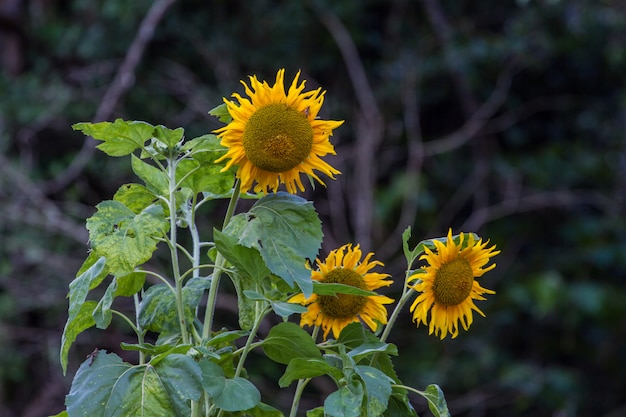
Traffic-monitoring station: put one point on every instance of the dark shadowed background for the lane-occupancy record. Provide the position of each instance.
(505, 118)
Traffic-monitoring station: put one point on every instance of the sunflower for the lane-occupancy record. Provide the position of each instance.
(447, 285)
(334, 312)
(275, 136)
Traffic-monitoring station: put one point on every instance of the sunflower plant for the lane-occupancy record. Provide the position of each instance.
(329, 319)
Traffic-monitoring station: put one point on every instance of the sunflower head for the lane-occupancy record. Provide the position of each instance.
(344, 266)
(275, 136)
(447, 285)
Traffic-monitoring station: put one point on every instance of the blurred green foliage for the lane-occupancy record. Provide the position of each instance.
(542, 174)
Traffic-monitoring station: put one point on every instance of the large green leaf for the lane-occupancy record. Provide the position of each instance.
(80, 321)
(229, 394)
(286, 231)
(105, 386)
(345, 402)
(287, 341)
(120, 137)
(377, 389)
(126, 239)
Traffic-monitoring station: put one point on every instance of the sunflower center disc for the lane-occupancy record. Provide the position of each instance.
(277, 138)
(342, 306)
(453, 282)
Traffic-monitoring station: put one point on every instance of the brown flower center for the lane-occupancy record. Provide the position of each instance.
(277, 138)
(342, 306)
(453, 282)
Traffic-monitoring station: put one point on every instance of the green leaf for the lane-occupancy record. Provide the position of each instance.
(236, 394)
(263, 410)
(367, 349)
(287, 341)
(247, 260)
(200, 173)
(80, 321)
(300, 368)
(130, 284)
(213, 379)
(105, 386)
(120, 137)
(345, 402)
(322, 288)
(135, 196)
(156, 180)
(126, 239)
(158, 311)
(102, 314)
(286, 230)
(126, 285)
(285, 310)
(377, 389)
(90, 275)
(239, 394)
(155, 350)
(221, 112)
(436, 400)
(61, 414)
(168, 137)
(316, 412)
(399, 406)
(182, 378)
(226, 337)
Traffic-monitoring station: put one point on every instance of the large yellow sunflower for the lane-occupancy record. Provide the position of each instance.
(275, 136)
(447, 285)
(344, 266)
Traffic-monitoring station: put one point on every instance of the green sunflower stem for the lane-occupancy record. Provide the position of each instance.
(297, 395)
(171, 171)
(408, 293)
(260, 315)
(219, 266)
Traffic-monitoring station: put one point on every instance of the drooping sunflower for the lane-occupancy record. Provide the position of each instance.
(448, 286)
(275, 136)
(334, 312)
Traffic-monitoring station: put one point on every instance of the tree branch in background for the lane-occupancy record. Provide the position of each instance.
(369, 128)
(123, 81)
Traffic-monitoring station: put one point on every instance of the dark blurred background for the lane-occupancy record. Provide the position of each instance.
(505, 118)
